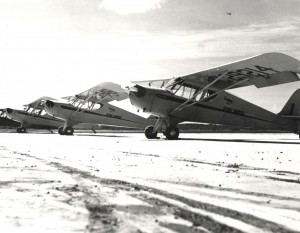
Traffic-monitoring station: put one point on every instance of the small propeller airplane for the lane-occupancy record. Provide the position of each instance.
(34, 116)
(6, 122)
(92, 106)
(202, 97)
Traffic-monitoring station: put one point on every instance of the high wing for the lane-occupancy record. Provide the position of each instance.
(262, 71)
(152, 83)
(103, 92)
(38, 104)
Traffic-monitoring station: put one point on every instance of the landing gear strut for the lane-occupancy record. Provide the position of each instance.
(21, 130)
(149, 133)
(172, 133)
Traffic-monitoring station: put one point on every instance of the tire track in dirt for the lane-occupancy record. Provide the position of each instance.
(255, 194)
(101, 218)
(98, 212)
(284, 180)
(196, 219)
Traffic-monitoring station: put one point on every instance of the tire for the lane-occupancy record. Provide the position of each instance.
(69, 130)
(149, 132)
(172, 133)
(21, 130)
(61, 131)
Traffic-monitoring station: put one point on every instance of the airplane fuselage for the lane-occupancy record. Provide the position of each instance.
(33, 120)
(107, 114)
(223, 108)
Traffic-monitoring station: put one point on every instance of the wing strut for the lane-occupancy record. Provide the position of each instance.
(197, 93)
(186, 104)
(80, 105)
(86, 100)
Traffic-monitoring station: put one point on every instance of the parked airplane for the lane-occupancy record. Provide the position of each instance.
(5, 122)
(92, 106)
(34, 116)
(202, 96)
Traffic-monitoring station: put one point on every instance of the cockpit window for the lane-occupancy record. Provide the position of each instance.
(37, 111)
(158, 83)
(179, 88)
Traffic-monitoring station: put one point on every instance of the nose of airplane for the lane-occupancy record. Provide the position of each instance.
(49, 104)
(140, 97)
(8, 110)
(138, 91)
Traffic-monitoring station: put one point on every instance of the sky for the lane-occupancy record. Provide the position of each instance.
(63, 47)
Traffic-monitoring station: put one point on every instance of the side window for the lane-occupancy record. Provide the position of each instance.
(188, 92)
(184, 91)
(97, 106)
(43, 112)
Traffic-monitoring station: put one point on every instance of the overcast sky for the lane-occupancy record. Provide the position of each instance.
(63, 47)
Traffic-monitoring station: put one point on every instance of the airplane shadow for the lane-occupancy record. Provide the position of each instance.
(239, 140)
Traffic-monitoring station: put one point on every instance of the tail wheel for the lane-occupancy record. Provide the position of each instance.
(61, 131)
(69, 130)
(149, 133)
(21, 130)
(172, 133)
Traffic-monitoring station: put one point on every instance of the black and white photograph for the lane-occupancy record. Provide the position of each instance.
(150, 116)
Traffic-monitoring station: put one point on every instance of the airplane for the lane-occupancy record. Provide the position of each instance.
(203, 97)
(5, 122)
(33, 116)
(92, 106)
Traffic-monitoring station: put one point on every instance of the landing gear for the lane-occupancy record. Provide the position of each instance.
(68, 130)
(21, 130)
(172, 133)
(61, 130)
(149, 133)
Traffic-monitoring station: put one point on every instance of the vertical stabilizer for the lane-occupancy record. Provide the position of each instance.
(292, 107)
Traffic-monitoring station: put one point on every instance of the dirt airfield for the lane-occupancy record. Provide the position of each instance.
(122, 182)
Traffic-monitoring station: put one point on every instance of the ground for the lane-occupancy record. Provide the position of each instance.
(122, 182)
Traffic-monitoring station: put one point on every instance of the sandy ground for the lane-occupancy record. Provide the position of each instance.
(109, 182)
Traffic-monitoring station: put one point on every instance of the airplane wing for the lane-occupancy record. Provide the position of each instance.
(38, 103)
(104, 92)
(262, 71)
(152, 83)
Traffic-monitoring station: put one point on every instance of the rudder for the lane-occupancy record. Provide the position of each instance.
(292, 106)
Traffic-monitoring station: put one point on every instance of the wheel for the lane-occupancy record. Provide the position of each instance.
(172, 133)
(21, 130)
(69, 130)
(61, 131)
(149, 132)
